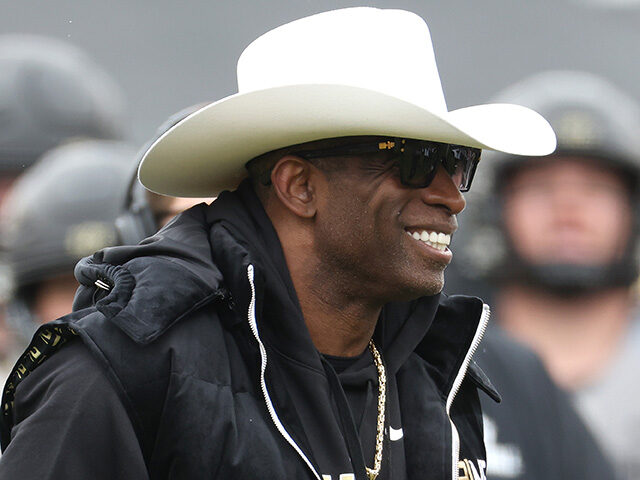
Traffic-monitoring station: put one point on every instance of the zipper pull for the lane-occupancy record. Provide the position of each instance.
(103, 285)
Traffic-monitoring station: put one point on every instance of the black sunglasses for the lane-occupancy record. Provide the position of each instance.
(417, 160)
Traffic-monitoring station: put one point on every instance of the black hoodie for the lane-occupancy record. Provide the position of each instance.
(201, 336)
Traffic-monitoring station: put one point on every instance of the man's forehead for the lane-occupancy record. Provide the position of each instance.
(568, 164)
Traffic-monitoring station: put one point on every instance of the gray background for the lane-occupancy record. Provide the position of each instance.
(168, 55)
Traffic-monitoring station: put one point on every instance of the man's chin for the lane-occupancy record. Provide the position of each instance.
(423, 288)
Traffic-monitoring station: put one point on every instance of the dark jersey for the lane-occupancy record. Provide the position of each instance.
(534, 433)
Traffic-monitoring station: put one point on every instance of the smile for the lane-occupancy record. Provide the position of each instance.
(438, 240)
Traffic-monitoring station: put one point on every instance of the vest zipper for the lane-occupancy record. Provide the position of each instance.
(477, 338)
(253, 324)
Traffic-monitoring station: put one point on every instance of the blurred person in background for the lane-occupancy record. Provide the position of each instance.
(534, 432)
(55, 215)
(146, 212)
(559, 239)
(62, 209)
(50, 92)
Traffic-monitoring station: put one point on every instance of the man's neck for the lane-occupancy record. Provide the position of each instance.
(576, 336)
(340, 320)
(338, 327)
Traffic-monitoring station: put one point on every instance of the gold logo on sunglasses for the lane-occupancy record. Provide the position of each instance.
(388, 145)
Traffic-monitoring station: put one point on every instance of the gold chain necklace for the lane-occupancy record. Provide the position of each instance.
(382, 400)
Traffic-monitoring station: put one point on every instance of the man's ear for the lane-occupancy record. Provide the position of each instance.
(293, 184)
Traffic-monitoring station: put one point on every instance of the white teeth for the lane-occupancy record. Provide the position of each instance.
(439, 241)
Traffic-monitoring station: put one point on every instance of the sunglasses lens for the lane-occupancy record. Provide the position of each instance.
(461, 164)
(418, 165)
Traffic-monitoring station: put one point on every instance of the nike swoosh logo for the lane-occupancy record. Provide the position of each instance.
(395, 434)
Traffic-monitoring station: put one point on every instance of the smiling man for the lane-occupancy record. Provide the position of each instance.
(294, 327)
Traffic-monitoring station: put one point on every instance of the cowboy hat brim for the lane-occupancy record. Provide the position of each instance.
(206, 152)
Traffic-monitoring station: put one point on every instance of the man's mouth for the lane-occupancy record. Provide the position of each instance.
(438, 240)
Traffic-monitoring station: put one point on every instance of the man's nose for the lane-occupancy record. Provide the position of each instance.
(443, 191)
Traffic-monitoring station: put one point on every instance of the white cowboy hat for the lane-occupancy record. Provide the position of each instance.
(356, 71)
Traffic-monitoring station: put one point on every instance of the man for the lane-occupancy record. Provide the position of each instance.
(534, 432)
(145, 212)
(55, 214)
(564, 250)
(50, 91)
(292, 328)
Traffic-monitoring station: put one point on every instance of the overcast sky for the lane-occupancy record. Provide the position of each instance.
(167, 55)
